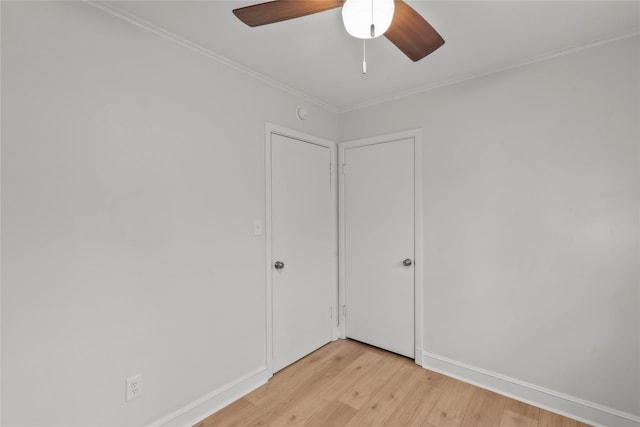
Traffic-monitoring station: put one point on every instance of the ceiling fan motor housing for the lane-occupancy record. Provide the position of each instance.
(367, 19)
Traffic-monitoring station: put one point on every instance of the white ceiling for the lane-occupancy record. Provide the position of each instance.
(315, 56)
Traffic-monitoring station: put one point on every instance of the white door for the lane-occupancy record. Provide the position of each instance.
(379, 244)
(302, 239)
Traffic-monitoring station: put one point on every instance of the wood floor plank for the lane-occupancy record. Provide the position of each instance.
(515, 419)
(336, 414)
(354, 372)
(383, 402)
(284, 382)
(523, 409)
(549, 419)
(361, 391)
(302, 409)
(283, 407)
(335, 379)
(414, 409)
(435, 379)
(280, 389)
(337, 361)
(305, 409)
(451, 408)
(485, 409)
(278, 386)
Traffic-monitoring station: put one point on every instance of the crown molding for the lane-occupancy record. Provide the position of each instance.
(532, 60)
(109, 7)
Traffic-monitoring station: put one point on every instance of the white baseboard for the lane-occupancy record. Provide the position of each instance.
(200, 409)
(572, 407)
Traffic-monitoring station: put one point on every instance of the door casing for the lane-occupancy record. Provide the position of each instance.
(416, 135)
(270, 129)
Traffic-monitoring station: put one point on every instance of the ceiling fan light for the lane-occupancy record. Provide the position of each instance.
(359, 16)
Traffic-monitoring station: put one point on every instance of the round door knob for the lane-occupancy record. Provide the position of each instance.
(406, 262)
(279, 265)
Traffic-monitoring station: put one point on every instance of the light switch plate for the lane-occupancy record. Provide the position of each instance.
(257, 227)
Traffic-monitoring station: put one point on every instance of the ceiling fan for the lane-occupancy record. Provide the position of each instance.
(364, 19)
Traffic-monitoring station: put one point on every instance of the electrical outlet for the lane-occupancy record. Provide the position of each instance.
(134, 387)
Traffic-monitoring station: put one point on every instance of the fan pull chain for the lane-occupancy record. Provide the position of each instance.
(364, 56)
(373, 27)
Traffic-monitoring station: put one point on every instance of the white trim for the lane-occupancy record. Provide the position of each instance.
(0, 221)
(419, 258)
(554, 401)
(268, 300)
(200, 409)
(273, 129)
(108, 6)
(416, 135)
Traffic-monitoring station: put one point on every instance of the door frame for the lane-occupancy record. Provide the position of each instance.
(416, 135)
(271, 129)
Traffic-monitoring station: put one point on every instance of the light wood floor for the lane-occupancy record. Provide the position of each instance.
(347, 383)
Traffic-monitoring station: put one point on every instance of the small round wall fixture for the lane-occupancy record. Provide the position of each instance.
(302, 113)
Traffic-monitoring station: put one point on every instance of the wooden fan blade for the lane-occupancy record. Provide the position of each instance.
(282, 10)
(411, 33)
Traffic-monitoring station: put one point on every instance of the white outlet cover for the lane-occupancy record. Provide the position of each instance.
(134, 387)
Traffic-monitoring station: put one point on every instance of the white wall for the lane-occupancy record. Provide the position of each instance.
(531, 220)
(132, 171)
